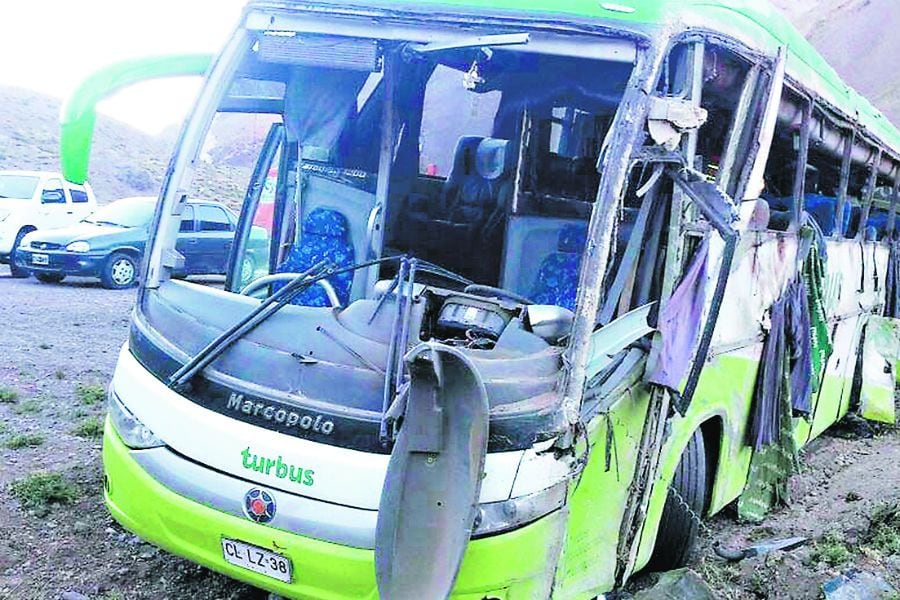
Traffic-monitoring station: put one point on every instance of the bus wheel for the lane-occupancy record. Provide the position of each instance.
(680, 523)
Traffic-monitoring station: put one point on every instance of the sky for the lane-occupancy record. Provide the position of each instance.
(51, 45)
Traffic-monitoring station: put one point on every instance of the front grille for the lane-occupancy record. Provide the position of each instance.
(45, 246)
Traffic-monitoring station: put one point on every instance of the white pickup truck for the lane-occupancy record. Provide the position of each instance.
(31, 200)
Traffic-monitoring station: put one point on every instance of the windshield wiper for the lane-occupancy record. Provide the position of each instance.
(482, 41)
(110, 223)
(271, 305)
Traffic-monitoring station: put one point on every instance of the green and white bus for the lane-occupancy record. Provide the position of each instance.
(547, 283)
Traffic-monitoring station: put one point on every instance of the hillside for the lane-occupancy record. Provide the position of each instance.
(125, 161)
(857, 37)
(851, 34)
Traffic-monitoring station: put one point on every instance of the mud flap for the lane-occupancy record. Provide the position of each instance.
(430, 497)
(881, 351)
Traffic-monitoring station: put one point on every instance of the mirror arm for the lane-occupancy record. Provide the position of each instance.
(79, 111)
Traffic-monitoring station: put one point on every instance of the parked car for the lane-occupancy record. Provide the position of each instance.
(110, 243)
(35, 200)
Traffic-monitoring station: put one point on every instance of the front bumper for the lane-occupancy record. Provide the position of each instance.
(62, 262)
(515, 565)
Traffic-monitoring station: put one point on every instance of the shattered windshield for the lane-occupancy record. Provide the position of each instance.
(483, 162)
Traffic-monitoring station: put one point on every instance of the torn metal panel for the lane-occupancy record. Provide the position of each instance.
(430, 497)
(881, 351)
(670, 118)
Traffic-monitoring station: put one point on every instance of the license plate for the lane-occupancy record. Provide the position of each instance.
(40, 259)
(256, 559)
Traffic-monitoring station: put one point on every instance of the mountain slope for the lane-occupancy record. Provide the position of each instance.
(124, 161)
(858, 38)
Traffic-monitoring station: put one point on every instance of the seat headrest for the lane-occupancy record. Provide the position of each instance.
(572, 239)
(493, 158)
(464, 156)
(871, 233)
(326, 222)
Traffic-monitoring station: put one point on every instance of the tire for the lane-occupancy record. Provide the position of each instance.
(16, 271)
(120, 271)
(50, 277)
(678, 530)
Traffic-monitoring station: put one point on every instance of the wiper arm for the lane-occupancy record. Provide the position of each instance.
(271, 305)
(429, 267)
(482, 41)
(227, 338)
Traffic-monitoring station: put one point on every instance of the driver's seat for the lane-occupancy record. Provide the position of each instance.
(326, 236)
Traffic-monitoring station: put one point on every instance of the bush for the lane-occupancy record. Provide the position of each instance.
(8, 395)
(831, 550)
(89, 428)
(24, 440)
(884, 529)
(90, 393)
(28, 407)
(39, 491)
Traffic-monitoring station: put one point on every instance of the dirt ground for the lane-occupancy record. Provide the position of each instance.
(58, 341)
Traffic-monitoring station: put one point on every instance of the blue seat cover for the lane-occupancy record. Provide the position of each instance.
(557, 279)
(326, 236)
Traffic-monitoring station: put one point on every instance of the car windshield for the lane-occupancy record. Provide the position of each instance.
(20, 187)
(124, 213)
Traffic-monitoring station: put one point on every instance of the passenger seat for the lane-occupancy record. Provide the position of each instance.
(557, 279)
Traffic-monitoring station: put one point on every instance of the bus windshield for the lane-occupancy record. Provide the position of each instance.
(482, 161)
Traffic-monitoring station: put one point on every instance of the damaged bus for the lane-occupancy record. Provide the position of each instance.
(544, 285)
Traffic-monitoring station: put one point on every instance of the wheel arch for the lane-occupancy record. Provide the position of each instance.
(711, 426)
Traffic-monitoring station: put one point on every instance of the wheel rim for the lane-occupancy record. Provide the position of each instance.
(122, 271)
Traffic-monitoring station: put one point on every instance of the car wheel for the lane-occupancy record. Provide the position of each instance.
(685, 504)
(49, 277)
(15, 270)
(120, 271)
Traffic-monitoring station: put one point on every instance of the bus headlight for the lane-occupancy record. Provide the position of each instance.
(134, 433)
(496, 517)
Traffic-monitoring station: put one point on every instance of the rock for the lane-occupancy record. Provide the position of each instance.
(852, 497)
(73, 596)
(858, 585)
(81, 527)
(683, 584)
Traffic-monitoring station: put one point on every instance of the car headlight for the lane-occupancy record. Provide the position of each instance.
(134, 433)
(79, 247)
(496, 517)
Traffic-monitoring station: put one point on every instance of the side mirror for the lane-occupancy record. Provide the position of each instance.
(549, 322)
(52, 197)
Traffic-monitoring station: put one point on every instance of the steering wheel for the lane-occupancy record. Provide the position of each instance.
(488, 291)
(262, 282)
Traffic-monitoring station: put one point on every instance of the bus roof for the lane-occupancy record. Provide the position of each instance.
(756, 23)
